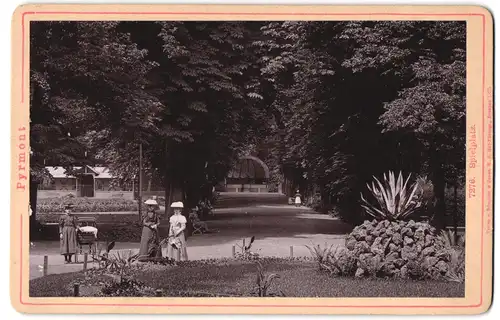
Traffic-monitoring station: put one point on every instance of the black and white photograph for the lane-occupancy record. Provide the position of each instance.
(264, 158)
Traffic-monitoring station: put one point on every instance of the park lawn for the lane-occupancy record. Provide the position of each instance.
(237, 278)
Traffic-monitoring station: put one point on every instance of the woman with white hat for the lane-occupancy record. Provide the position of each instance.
(298, 200)
(149, 237)
(177, 239)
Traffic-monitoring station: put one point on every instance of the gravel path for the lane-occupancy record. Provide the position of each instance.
(275, 228)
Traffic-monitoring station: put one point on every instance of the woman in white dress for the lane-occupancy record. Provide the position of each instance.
(298, 200)
(177, 238)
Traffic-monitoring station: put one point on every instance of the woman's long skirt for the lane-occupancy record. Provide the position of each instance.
(298, 201)
(147, 238)
(69, 243)
(174, 253)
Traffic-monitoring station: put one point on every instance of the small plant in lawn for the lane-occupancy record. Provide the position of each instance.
(103, 257)
(373, 266)
(245, 251)
(396, 200)
(264, 282)
(114, 262)
(456, 271)
(338, 262)
(320, 254)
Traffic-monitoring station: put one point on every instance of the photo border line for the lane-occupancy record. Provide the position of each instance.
(477, 305)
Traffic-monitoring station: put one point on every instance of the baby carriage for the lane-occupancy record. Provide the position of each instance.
(87, 234)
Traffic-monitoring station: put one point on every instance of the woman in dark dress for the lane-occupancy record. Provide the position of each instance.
(149, 237)
(67, 233)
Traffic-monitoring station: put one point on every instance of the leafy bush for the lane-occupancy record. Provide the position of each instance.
(396, 200)
(56, 205)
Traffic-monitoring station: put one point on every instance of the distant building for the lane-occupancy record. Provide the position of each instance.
(87, 182)
(250, 174)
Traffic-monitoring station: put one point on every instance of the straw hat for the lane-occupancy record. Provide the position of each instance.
(151, 202)
(177, 204)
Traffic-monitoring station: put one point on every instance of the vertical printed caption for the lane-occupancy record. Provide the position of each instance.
(472, 163)
(489, 161)
(22, 170)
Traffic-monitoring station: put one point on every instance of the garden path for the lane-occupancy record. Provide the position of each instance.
(275, 227)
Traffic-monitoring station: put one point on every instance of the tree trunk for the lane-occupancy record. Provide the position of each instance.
(455, 211)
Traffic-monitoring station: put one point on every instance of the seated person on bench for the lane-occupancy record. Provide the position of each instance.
(198, 225)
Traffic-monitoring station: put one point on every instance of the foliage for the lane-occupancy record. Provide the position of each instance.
(320, 254)
(456, 270)
(338, 262)
(180, 89)
(264, 282)
(396, 199)
(82, 204)
(127, 288)
(195, 95)
(451, 239)
(409, 115)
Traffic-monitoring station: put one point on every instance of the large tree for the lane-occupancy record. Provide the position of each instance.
(361, 98)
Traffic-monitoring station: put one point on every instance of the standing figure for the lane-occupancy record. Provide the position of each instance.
(150, 238)
(177, 238)
(298, 200)
(67, 233)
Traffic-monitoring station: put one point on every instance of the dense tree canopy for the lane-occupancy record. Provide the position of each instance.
(333, 102)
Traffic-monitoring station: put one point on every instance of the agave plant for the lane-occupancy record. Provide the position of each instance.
(395, 197)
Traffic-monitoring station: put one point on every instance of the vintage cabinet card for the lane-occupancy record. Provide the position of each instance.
(252, 159)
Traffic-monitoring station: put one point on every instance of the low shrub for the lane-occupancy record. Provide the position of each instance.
(338, 262)
(127, 288)
(56, 205)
